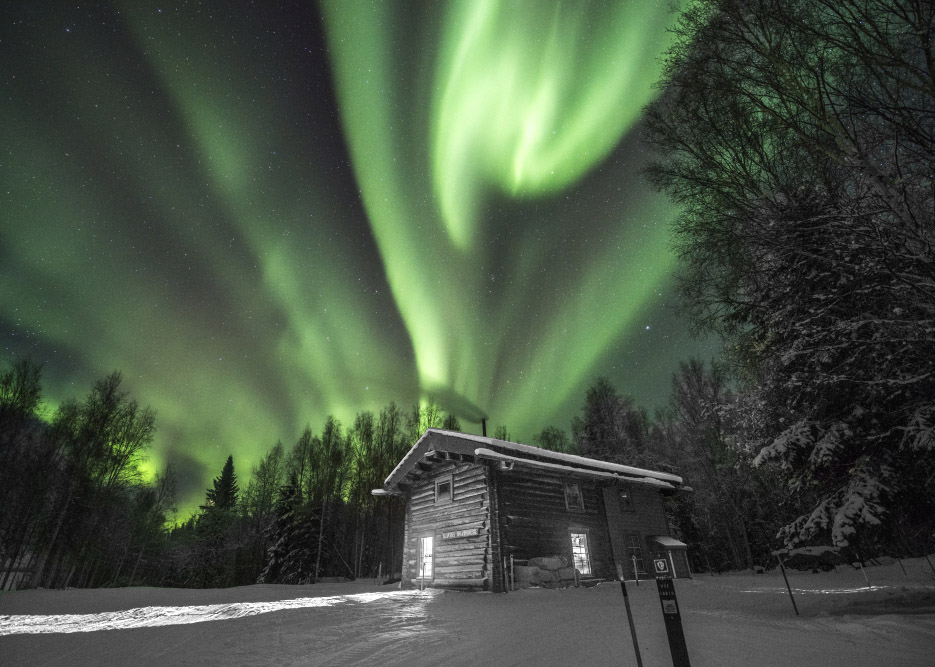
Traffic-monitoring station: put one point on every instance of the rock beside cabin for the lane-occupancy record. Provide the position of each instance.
(545, 571)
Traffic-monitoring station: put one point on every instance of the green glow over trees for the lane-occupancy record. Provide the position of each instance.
(262, 221)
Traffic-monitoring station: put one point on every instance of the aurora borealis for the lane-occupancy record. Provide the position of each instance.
(266, 213)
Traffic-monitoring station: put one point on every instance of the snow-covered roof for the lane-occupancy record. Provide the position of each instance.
(489, 454)
(583, 461)
(669, 542)
(466, 444)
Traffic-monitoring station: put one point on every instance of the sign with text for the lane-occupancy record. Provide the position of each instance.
(466, 532)
(670, 613)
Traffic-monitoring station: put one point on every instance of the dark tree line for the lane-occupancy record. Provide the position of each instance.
(74, 510)
(798, 138)
(306, 513)
(80, 516)
(77, 513)
(731, 517)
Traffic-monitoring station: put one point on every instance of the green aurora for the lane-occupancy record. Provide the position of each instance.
(263, 215)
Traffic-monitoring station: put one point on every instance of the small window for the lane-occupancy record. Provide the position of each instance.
(579, 552)
(626, 500)
(443, 489)
(573, 498)
(425, 558)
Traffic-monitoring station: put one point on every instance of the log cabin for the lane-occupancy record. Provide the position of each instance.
(478, 506)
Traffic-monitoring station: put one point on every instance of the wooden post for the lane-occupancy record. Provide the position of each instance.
(626, 603)
(636, 572)
(899, 560)
(864, 572)
(495, 532)
(782, 567)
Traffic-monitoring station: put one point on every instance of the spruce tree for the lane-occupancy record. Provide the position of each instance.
(289, 559)
(217, 540)
(223, 495)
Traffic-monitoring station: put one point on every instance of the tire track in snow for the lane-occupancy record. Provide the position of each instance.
(150, 617)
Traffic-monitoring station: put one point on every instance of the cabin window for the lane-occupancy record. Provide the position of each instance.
(626, 499)
(443, 489)
(579, 552)
(425, 558)
(573, 498)
(634, 553)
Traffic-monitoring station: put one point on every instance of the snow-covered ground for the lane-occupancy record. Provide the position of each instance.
(732, 620)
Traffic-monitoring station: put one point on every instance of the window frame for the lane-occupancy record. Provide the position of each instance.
(449, 480)
(584, 532)
(566, 484)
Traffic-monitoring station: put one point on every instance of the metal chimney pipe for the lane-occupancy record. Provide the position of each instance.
(483, 425)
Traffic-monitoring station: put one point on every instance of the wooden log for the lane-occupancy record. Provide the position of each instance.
(465, 515)
(458, 567)
(430, 523)
(474, 498)
(474, 582)
(448, 506)
(472, 546)
(463, 557)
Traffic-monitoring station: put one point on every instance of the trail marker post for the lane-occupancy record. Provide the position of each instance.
(782, 568)
(670, 612)
(626, 602)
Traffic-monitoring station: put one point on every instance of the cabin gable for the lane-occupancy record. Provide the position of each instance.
(448, 533)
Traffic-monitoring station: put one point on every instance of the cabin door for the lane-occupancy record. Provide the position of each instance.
(425, 558)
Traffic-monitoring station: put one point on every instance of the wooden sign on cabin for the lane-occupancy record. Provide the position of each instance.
(473, 502)
(455, 534)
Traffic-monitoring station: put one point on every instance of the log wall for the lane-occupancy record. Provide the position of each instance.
(536, 522)
(460, 560)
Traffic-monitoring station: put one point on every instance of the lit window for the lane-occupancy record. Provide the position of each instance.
(443, 489)
(579, 552)
(626, 500)
(425, 558)
(573, 498)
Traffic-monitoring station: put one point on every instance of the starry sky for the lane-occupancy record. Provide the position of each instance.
(265, 213)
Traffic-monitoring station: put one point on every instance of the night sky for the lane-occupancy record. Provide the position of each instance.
(265, 213)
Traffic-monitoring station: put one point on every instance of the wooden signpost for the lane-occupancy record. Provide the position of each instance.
(670, 612)
(626, 602)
